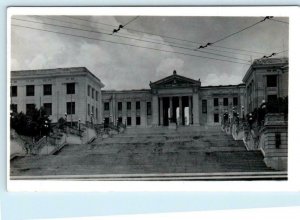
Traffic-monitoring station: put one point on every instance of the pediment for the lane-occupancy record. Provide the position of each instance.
(175, 81)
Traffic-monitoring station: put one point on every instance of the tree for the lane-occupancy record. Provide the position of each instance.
(34, 123)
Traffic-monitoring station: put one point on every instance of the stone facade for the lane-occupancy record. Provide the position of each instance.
(131, 107)
(174, 100)
(56, 90)
(266, 79)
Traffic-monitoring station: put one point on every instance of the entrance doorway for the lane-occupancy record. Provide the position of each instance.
(176, 109)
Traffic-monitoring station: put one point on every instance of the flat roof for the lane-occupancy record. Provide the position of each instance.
(54, 71)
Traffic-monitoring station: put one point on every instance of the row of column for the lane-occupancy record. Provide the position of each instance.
(158, 111)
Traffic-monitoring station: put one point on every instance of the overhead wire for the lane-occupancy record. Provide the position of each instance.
(99, 32)
(127, 44)
(164, 36)
(127, 35)
(272, 19)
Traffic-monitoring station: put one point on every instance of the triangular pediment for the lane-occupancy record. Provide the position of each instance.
(174, 81)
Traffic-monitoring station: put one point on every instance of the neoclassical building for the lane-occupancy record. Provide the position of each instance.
(266, 79)
(172, 100)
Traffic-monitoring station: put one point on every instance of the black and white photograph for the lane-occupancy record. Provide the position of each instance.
(135, 97)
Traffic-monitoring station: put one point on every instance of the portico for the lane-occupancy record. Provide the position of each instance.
(175, 101)
(175, 109)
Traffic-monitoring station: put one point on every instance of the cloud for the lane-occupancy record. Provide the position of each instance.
(215, 79)
(127, 67)
(167, 66)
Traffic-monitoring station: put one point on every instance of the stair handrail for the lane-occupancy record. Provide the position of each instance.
(39, 144)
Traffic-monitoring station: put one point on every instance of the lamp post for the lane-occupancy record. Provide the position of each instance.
(66, 121)
(79, 125)
(243, 109)
(46, 130)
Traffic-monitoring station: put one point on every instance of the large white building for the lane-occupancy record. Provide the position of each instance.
(74, 93)
(175, 99)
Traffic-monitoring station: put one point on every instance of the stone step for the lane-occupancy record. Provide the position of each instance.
(136, 163)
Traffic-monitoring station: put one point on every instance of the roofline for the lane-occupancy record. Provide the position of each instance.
(124, 91)
(219, 86)
(254, 65)
(15, 73)
(197, 82)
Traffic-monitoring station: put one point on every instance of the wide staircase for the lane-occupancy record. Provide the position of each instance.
(152, 153)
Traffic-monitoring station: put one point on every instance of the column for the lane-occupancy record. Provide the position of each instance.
(171, 108)
(143, 113)
(161, 111)
(195, 109)
(180, 111)
(190, 110)
(154, 110)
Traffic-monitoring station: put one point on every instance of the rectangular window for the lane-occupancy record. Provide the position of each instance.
(106, 120)
(225, 101)
(47, 89)
(70, 108)
(70, 88)
(89, 109)
(216, 102)
(14, 91)
(149, 110)
(14, 108)
(272, 81)
(138, 105)
(30, 109)
(128, 105)
(96, 113)
(89, 90)
(97, 93)
(106, 106)
(272, 98)
(48, 108)
(30, 90)
(119, 106)
(128, 121)
(204, 106)
(235, 101)
(93, 93)
(138, 120)
(216, 118)
(119, 120)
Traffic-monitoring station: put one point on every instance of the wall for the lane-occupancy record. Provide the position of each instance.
(58, 78)
(132, 96)
(220, 92)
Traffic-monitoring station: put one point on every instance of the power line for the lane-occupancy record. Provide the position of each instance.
(131, 35)
(223, 51)
(144, 32)
(68, 22)
(239, 49)
(230, 35)
(282, 51)
(164, 36)
(98, 32)
(132, 45)
(274, 54)
(122, 26)
(279, 21)
(130, 21)
(91, 21)
(127, 35)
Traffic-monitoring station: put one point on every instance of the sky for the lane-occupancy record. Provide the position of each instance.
(120, 66)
